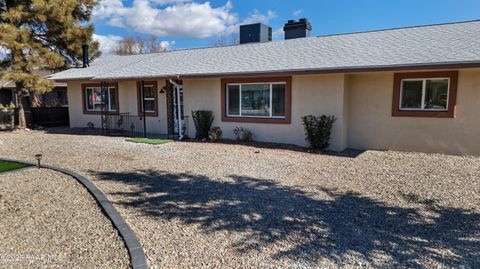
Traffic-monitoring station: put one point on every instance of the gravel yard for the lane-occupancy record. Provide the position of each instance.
(48, 220)
(199, 205)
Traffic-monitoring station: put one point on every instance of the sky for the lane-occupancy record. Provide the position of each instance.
(189, 24)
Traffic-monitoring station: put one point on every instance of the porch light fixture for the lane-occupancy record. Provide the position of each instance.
(39, 158)
(162, 90)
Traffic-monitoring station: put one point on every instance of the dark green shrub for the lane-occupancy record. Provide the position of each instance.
(203, 120)
(318, 130)
(215, 134)
(243, 134)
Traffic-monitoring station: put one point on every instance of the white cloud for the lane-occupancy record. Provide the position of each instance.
(107, 42)
(183, 18)
(167, 44)
(166, 2)
(297, 12)
(278, 34)
(254, 17)
(257, 16)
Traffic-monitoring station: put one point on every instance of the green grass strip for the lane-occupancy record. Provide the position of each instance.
(149, 141)
(9, 166)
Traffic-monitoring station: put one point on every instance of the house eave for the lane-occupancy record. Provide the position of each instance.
(313, 71)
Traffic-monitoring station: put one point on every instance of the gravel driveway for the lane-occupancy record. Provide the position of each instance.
(198, 205)
(48, 220)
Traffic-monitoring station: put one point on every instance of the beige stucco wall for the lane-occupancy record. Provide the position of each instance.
(312, 94)
(127, 93)
(371, 125)
(360, 102)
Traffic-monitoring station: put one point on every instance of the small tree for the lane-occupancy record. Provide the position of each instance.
(42, 34)
(203, 120)
(137, 45)
(318, 130)
(226, 39)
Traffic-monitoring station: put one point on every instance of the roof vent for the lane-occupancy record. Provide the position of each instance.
(257, 32)
(294, 29)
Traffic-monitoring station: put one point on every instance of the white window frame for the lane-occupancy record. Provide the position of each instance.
(108, 96)
(240, 100)
(424, 91)
(148, 99)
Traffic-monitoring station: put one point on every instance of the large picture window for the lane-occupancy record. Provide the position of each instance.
(265, 100)
(256, 100)
(148, 98)
(431, 94)
(93, 98)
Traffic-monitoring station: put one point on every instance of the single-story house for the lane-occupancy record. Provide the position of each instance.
(412, 88)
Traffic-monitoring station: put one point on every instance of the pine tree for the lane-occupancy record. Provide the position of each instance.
(43, 35)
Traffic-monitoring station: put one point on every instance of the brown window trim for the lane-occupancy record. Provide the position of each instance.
(288, 99)
(139, 98)
(452, 94)
(84, 98)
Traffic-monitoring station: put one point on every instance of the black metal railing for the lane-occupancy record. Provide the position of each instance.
(123, 124)
(7, 121)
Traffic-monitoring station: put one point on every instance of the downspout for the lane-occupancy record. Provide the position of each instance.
(179, 110)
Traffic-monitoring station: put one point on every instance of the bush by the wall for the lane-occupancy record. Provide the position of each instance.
(215, 134)
(203, 120)
(243, 134)
(318, 130)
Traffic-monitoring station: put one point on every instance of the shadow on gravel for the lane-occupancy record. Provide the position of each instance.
(348, 153)
(344, 224)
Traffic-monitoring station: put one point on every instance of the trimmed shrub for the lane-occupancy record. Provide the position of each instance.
(11, 105)
(203, 120)
(215, 134)
(318, 130)
(242, 134)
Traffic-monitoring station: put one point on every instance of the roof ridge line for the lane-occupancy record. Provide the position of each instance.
(401, 28)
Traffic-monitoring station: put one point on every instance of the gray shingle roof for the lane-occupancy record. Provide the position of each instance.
(453, 43)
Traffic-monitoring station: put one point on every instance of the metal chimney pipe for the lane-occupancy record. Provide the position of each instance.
(85, 56)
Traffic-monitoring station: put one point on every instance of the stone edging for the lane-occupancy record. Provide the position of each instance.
(135, 250)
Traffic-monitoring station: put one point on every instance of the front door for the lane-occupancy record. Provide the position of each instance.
(178, 122)
(175, 109)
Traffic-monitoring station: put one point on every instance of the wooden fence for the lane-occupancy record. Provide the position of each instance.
(45, 116)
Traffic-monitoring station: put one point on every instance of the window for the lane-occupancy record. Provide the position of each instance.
(149, 99)
(265, 100)
(424, 94)
(429, 94)
(92, 95)
(254, 100)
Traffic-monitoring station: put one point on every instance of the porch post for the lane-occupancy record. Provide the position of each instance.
(143, 109)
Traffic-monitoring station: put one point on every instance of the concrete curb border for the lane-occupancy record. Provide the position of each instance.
(135, 250)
